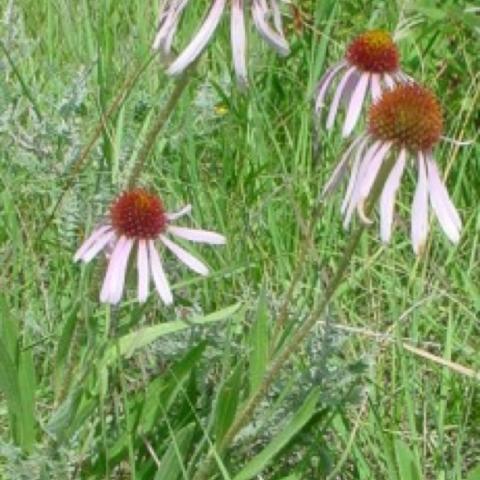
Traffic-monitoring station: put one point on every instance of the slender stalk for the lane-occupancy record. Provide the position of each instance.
(284, 355)
(160, 122)
(23, 83)
(125, 90)
(297, 274)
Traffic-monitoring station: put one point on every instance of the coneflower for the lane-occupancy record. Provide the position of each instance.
(406, 122)
(265, 15)
(137, 219)
(371, 63)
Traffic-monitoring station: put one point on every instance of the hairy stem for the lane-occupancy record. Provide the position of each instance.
(297, 274)
(283, 356)
(156, 128)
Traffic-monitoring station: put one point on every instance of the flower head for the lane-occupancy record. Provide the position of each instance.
(374, 51)
(137, 220)
(265, 15)
(405, 122)
(371, 63)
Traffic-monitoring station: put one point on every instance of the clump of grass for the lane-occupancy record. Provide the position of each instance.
(144, 392)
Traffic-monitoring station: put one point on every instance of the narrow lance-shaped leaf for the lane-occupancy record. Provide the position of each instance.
(292, 427)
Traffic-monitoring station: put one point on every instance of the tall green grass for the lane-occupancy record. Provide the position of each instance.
(143, 392)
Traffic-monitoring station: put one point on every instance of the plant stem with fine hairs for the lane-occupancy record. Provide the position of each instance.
(283, 356)
(156, 128)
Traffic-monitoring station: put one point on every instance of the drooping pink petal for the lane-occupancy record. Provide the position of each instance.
(91, 240)
(99, 245)
(158, 274)
(387, 199)
(260, 11)
(277, 16)
(375, 87)
(402, 77)
(181, 213)
(369, 179)
(200, 40)
(167, 25)
(115, 277)
(239, 41)
(338, 96)
(324, 83)
(188, 259)
(143, 271)
(459, 143)
(356, 102)
(359, 179)
(339, 171)
(443, 207)
(350, 88)
(353, 175)
(119, 283)
(111, 269)
(388, 80)
(194, 235)
(419, 226)
(372, 170)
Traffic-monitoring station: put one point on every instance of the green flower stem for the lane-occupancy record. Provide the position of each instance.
(297, 275)
(156, 128)
(280, 360)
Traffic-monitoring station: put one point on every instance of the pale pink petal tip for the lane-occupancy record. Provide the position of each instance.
(274, 36)
(158, 274)
(143, 271)
(188, 259)
(387, 199)
(239, 42)
(338, 96)
(324, 84)
(114, 280)
(182, 212)
(356, 102)
(90, 241)
(443, 207)
(200, 236)
(419, 226)
(200, 40)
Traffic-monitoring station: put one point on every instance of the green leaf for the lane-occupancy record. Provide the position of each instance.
(170, 466)
(27, 386)
(259, 343)
(227, 402)
(9, 381)
(406, 462)
(17, 381)
(293, 426)
(128, 344)
(148, 407)
(63, 348)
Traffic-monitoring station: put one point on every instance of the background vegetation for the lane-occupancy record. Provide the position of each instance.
(136, 392)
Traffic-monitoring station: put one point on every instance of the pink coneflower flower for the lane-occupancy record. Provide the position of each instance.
(137, 220)
(406, 122)
(265, 15)
(371, 62)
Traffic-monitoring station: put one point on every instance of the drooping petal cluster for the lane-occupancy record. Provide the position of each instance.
(266, 17)
(406, 122)
(137, 220)
(371, 66)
